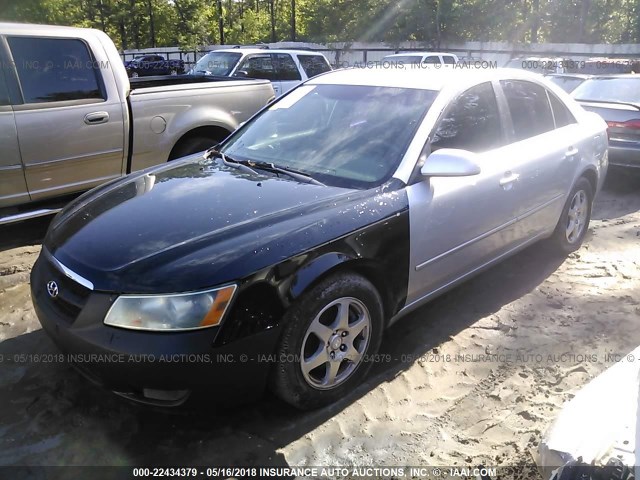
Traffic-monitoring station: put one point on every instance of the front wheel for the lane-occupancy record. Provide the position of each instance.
(329, 336)
(574, 221)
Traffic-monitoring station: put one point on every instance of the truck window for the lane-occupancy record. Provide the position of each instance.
(432, 60)
(55, 69)
(448, 60)
(313, 64)
(286, 67)
(258, 66)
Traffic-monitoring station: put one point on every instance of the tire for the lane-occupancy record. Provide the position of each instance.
(173, 71)
(135, 74)
(190, 145)
(574, 221)
(351, 339)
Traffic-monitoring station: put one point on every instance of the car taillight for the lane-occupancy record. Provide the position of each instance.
(633, 124)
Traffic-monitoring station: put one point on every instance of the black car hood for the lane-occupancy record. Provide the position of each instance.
(196, 223)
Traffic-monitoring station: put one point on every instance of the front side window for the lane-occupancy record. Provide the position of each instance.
(343, 135)
(313, 64)
(529, 108)
(449, 60)
(55, 70)
(285, 67)
(432, 60)
(471, 123)
(257, 66)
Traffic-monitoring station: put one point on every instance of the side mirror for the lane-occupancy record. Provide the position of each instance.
(241, 73)
(450, 162)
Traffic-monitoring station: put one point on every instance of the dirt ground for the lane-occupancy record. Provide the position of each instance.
(494, 361)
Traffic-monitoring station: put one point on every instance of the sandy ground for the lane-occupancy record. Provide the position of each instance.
(475, 377)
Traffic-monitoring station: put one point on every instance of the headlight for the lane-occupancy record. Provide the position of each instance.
(183, 311)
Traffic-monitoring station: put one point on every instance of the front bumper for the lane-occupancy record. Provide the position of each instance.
(142, 365)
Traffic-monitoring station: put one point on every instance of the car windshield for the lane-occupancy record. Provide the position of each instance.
(217, 63)
(612, 89)
(343, 135)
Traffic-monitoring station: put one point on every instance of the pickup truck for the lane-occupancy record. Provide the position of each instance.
(70, 119)
(152, 64)
(284, 68)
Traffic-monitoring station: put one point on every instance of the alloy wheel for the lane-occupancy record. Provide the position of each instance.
(335, 343)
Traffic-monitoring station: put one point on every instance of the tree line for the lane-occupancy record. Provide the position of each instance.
(190, 23)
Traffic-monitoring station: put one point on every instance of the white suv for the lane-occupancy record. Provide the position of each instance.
(417, 58)
(285, 68)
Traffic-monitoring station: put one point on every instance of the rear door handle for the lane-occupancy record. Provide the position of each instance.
(509, 178)
(571, 152)
(96, 118)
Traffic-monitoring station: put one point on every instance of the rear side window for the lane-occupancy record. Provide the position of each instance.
(258, 66)
(529, 107)
(285, 67)
(448, 60)
(561, 113)
(432, 60)
(4, 92)
(472, 122)
(313, 64)
(55, 70)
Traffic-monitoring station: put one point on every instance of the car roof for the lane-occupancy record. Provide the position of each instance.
(427, 78)
(267, 50)
(10, 28)
(616, 75)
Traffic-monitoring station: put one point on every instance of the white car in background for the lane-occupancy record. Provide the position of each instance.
(417, 58)
(284, 68)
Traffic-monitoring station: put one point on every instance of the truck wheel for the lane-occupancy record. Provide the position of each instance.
(328, 339)
(574, 221)
(190, 145)
(173, 71)
(135, 74)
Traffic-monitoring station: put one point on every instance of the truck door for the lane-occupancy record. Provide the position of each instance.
(71, 133)
(13, 188)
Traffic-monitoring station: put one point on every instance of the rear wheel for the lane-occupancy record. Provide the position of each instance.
(574, 221)
(329, 336)
(173, 71)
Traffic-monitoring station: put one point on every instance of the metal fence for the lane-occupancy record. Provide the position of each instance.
(344, 54)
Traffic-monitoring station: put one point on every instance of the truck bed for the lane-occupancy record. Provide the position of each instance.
(171, 80)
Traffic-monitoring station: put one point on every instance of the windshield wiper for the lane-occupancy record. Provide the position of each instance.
(230, 162)
(270, 167)
(298, 175)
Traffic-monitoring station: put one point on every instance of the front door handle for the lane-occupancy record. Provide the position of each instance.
(571, 153)
(509, 178)
(96, 118)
